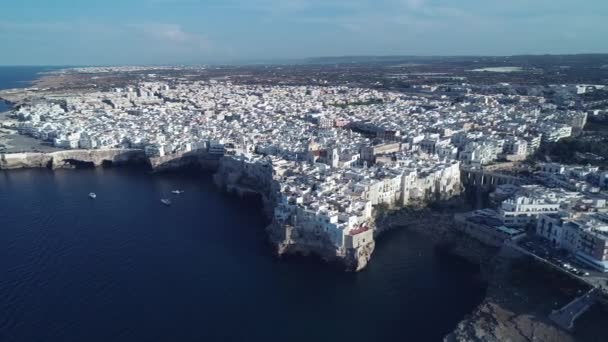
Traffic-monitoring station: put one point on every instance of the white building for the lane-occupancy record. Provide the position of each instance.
(584, 235)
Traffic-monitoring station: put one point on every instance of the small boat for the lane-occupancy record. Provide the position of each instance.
(92, 195)
(178, 192)
(166, 201)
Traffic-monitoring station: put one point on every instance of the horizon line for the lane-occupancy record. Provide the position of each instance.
(302, 60)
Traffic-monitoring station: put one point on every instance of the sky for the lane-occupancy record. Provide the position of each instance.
(114, 32)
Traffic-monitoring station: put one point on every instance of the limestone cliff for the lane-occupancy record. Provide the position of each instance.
(239, 177)
(199, 159)
(24, 161)
(71, 158)
(290, 241)
(231, 174)
(515, 308)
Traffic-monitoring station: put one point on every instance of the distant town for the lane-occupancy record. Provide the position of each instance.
(329, 155)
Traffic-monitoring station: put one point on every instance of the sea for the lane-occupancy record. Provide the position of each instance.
(124, 267)
(19, 77)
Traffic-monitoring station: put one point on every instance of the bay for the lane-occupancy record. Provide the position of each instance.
(123, 267)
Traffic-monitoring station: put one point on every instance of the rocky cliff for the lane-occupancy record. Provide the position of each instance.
(109, 157)
(71, 159)
(24, 161)
(96, 158)
(232, 175)
(516, 306)
(199, 159)
(240, 177)
(289, 241)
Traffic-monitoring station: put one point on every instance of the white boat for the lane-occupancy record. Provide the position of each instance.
(178, 192)
(165, 201)
(92, 195)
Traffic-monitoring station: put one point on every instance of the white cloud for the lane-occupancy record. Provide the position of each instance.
(90, 41)
(171, 33)
(415, 4)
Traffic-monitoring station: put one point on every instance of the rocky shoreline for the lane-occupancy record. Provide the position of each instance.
(71, 159)
(437, 225)
(503, 315)
(233, 175)
(518, 299)
(228, 175)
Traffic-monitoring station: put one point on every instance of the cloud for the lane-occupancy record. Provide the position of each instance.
(171, 33)
(219, 29)
(414, 4)
(283, 7)
(89, 42)
(9, 27)
(159, 32)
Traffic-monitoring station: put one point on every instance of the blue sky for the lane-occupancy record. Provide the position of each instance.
(86, 32)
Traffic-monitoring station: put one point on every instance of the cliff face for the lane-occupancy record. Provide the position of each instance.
(67, 159)
(200, 159)
(24, 161)
(231, 174)
(97, 158)
(71, 159)
(237, 176)
(515, 309)
(289, 241)
(491, 322)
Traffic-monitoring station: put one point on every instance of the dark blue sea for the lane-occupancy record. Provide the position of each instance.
(124, 267)
(19, 77)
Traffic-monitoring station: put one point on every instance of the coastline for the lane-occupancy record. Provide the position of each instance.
(70, 159)
(17, 84)
(496, 318)
(234, 175)
(490, 321)
(203, 237)
(517, 302)
(229, 174)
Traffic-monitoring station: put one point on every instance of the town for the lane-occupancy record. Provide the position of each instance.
(330, 159)
(338, 152)
(340, 170)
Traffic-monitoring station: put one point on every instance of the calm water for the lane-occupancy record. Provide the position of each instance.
(124, 267)
(19, 77)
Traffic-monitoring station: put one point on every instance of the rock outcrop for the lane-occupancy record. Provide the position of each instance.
(491, 322)
(232, 175)
(199, 159)
(289, 241)
(518, 303)
(239, 177)
(25, 161)
(71, 159)
(96, 158)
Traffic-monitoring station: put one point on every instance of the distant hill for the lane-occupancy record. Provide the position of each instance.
(516, 59)
(372, 59)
